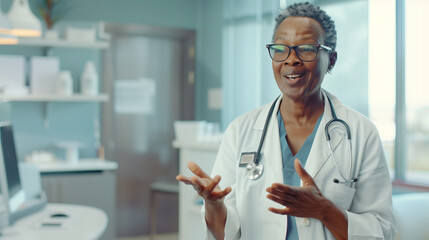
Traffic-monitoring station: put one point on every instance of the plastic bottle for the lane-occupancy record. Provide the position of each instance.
(64, 83)
(89, 80)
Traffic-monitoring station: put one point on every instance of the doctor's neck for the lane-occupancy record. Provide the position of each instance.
(303, 110)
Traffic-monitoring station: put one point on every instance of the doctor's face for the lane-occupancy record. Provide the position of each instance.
(299, 79)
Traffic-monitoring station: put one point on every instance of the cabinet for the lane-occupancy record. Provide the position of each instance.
(190, 219)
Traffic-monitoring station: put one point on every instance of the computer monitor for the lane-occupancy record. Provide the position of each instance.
(11, 188)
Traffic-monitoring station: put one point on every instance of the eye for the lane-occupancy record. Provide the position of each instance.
(278, 48)
(307, 48)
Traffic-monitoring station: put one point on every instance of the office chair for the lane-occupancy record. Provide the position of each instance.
(159, 187)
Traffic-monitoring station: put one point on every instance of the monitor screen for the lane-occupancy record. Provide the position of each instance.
(10, 180)
(10, 160)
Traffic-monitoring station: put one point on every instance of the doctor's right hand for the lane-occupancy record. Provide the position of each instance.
(205, 186)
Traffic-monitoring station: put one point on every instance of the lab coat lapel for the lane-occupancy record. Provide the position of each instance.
(275, 224)
(271, 152)
(320, 152)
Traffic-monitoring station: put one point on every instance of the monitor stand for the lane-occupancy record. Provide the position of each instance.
(30, 206)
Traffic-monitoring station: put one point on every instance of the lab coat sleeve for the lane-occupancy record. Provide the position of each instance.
(371, 215)
(225, 166)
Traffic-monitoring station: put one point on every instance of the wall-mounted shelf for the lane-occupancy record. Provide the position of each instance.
(41, 42)
(57, 98)
(47, 99)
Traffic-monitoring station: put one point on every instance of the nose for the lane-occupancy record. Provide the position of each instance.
(293, 59)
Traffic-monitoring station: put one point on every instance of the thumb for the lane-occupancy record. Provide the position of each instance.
(302, 173)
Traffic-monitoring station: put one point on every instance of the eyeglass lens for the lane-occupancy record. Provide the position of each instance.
(280, 52)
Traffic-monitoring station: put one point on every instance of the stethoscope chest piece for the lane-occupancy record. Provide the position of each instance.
(254, 171)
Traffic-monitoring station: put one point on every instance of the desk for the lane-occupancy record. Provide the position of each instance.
(82, 223)
(90, 182)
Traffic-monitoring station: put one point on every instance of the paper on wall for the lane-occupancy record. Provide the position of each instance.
(134, 96)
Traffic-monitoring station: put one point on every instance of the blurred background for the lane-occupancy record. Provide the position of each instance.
(107, 81)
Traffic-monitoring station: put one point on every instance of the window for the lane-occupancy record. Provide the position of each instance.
(381, 73)
(405, 97)
(417, 90)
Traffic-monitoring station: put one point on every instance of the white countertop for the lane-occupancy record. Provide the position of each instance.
(211, 146)
(82, 165)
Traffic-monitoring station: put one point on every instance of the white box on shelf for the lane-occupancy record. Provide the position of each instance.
(51, 34)
(80, 34)
(189, 131)
(12, 71)
(44, 73)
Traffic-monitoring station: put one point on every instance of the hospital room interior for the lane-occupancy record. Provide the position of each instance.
(104, 102)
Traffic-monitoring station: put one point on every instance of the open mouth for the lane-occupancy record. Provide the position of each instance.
(293, 76)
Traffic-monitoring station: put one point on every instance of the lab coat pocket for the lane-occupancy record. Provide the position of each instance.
(339, 194)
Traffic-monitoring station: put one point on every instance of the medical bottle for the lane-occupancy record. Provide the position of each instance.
(89, 80)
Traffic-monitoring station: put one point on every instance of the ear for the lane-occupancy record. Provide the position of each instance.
(332, 60)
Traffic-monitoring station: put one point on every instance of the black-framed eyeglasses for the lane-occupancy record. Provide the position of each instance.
(305, 52)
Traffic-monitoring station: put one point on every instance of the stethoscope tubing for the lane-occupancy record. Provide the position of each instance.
(328, 139)
(264, 131)
(255, 168)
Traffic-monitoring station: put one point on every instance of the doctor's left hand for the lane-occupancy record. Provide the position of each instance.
(305, 201)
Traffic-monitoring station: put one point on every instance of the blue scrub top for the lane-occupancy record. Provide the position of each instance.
(290, 177)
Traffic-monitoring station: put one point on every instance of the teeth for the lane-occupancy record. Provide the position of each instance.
(293, 76)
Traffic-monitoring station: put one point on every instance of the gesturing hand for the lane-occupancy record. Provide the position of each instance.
(205, 186)
(305, 201)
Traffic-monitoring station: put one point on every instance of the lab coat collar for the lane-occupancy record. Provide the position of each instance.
(262, 117)
(319, 153)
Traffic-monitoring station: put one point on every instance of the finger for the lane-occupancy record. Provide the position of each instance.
(283, 195)
(197, 170)
(279, 187)
(282, 201)
(207, 191)
(183, 179)
(302, 173)
(197, 181)
(282, 190)
(282, 211)
(222, 193)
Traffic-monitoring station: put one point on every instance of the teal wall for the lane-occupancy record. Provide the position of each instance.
(171, 13)
(77, 121)
(208, 56)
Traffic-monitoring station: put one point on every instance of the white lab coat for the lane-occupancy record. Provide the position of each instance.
(368, 202)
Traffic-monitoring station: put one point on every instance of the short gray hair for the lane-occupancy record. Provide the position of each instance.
(309, 10)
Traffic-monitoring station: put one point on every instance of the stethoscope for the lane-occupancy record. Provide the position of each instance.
(255, 169)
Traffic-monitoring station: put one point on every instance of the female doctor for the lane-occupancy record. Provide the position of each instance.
(305, 166)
